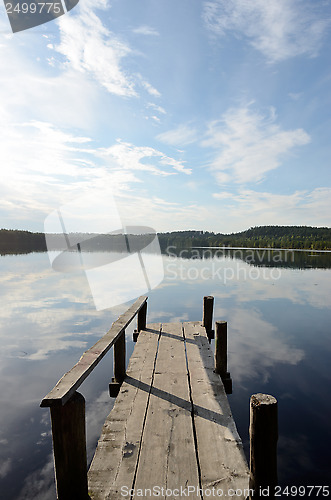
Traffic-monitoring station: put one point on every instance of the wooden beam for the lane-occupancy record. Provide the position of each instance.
(68, 384)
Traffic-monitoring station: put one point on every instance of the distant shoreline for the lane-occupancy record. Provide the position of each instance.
(273, 249)
(260, 237)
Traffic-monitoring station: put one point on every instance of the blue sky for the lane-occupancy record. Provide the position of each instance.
(210, 115)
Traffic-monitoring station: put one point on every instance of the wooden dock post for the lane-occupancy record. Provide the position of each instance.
(263, 445)
(69, 443)
(207, 315)
(119, 365)
(141, 321)
(221, 348)
(221, 354)
(119, 358)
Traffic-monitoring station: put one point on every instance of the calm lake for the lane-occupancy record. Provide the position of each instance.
(277, 305)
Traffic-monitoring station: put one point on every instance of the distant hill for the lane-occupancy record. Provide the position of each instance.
(299, 237)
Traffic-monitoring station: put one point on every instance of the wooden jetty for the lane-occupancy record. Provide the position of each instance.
(171, 432)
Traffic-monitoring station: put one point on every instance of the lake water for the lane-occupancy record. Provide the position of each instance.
(278, 311)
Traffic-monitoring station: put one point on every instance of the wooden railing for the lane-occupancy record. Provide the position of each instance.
(67, 406)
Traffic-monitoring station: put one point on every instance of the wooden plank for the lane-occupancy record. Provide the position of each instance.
(168, 457)
(220, 452)
(68, 384)
(115, 460)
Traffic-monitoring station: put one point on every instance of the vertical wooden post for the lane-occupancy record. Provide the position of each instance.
(141, 322)
(69, 444)
(207, 314)
(221, 348)
(119, 358)
(221, 354)
(263, 445)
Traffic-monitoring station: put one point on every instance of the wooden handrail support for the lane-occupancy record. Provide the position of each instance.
(68, 406)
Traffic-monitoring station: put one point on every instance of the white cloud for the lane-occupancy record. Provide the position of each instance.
(264, 208)
(5, 467)
(279, 30)
(92, 49)
(89, 47)
(146, 30)
(222, 196)
(147, 86)
(249, 145)
(161, 214)
(39, 164)
(295, 96)
(51, 166)
(40, 483)
(177, 165)
(31, 90)
(157, 108)
(270, 345)
(130, 157)
(180, 136)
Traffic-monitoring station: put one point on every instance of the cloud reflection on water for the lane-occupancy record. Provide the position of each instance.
(48, 319)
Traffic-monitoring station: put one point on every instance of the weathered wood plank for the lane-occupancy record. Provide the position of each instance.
(167, 456)
(115, 460)
(220, 452)
(68, 384)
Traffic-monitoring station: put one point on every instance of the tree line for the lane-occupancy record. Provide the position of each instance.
(293, 237)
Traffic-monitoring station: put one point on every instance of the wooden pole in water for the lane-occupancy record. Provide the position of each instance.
(141, 321)
(69, 444)
(120, 358)
(263, 445)
(221, 348)
(207, 314)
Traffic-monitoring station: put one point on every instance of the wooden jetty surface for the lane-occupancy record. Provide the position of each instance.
(171, 426)
(170, 433)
